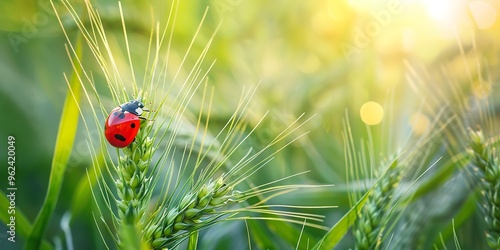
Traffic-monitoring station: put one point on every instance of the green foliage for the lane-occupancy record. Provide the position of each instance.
(64, 142)
(23, 225)
(335, 234)
(213, 170)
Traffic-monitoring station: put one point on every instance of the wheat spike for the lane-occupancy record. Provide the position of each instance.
(483, 157)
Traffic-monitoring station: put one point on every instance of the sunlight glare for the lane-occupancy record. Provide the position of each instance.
(440, 10)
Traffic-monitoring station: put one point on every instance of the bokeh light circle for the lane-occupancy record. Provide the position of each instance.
(371, 113)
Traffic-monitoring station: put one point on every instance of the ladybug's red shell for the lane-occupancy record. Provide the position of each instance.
(121, 127)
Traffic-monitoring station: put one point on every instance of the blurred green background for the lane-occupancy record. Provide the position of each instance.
(324, 58)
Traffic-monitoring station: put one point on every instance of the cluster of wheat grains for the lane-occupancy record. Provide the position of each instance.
(176, 178)
(374, 215)
(382, 222)
(484, 159)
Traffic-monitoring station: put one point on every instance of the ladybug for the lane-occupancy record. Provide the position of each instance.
(123, 123)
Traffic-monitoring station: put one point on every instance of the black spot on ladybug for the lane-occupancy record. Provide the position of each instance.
(122, 115)
(132, 125)
(120, 137)
(116, 113)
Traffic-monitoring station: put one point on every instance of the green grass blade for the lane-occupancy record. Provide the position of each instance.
(338, 231)
(261, 237)
(289, 233)
(23, 226)
(83, 195)
(64, 143)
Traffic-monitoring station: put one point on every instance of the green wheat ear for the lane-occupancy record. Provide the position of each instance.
(483, 157)
(369, 227)
(197, 209)
(137, 221)
(133, 186)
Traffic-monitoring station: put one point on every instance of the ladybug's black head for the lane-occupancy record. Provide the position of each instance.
(134, 107)
(136, 103)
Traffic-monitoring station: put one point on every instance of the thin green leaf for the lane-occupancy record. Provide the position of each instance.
(288, 232)
(83, 193)
(338, 231)
(64, 143)
(260, 236)
(23, 226)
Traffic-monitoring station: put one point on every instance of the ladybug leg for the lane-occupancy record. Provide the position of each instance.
(145, 119)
